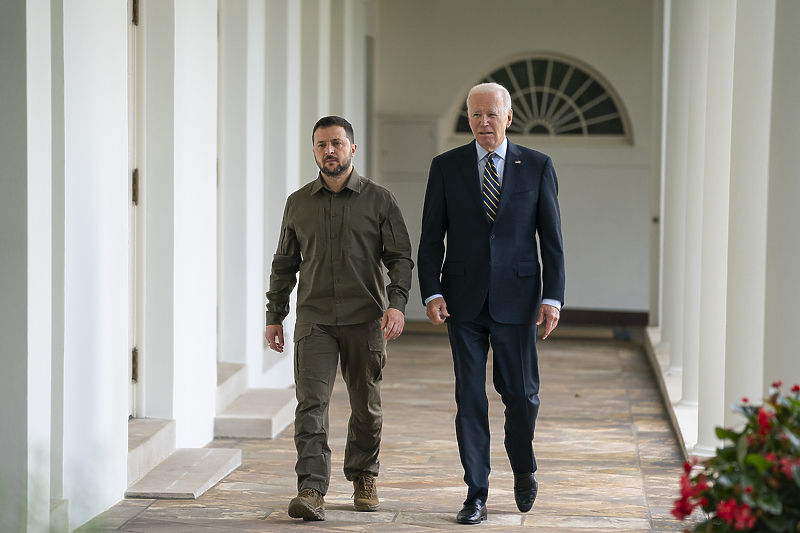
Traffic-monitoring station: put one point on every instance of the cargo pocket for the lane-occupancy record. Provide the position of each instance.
(377, 347)
(301, 331)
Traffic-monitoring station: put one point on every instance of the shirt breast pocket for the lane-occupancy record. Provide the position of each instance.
(361, 234)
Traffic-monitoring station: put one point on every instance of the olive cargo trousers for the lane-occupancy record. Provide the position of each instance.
(318, 349)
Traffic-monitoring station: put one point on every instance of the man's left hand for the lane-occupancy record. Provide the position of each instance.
(548, 315)
(392, 324)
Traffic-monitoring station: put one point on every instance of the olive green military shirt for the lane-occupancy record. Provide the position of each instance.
(337, 242)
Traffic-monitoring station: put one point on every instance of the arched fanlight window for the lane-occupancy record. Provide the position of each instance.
(557, 96)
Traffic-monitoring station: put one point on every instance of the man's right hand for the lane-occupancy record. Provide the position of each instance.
(274, 336)
(437, 311)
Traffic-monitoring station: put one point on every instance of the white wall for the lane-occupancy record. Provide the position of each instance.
(428, 54)
(96, 246)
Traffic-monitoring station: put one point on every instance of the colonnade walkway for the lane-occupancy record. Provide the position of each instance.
(608, 459)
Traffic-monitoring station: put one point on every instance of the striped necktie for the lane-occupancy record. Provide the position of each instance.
(491, 188)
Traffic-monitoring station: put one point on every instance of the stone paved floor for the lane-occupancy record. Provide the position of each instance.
(608, 460)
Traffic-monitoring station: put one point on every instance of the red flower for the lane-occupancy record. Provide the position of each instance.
(682, 508)
(687, 489)
(785, 466)
(777, 384)
(771, 457)
(687, 467)
(763, 421)
(744, 518)
(748, 489)
(726, 510)
(745, 400)
(796, 388)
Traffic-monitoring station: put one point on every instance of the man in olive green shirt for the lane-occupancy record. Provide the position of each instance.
(337, 231)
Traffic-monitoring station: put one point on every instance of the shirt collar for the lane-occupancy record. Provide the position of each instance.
(353, 183)
(500, 152)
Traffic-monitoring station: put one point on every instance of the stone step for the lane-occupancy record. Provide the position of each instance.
(186, 474)
(150, 441)
(231, 383)
(258, 413)
(59, 516)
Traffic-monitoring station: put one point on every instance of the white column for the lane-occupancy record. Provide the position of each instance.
(336, 56)
(673, 217)
(195, 184)
(241, 184)
(255, 171)
(157, 191)
(96, 199)
(716, 192)
(782, 334)
(695, 161)
(348, 63)
(282, 156)
(315, 78)
(39, 262)
(179, 178)
(25, 265)
(355, 72)
(232, 257)
(57, 377)
(660, 54)
(750, 142)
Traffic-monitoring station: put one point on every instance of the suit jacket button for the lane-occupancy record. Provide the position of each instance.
(492, 236)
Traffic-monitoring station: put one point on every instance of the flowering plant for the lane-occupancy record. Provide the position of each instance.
(753, 484)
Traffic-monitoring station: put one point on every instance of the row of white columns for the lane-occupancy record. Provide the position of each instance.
(283, 65)
(725, 187)
(66, 266)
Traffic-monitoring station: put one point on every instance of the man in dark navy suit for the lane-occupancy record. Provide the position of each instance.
(491, 199)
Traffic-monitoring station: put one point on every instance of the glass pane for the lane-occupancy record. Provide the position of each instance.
(559, 70)
(574, 120)
(520, 71)
(501, 76)
(539, 71)
(593, 91)
(611, 127)
(577, 79)
(606, 107)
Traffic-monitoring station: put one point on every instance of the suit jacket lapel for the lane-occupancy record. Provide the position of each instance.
(469, 172)
(511, 171)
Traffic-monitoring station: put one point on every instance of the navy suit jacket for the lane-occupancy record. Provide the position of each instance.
(500, 260)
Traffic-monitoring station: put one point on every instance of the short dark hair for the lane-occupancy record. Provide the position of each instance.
(333, 120)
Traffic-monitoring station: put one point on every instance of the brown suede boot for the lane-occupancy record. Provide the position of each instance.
(308, 505)
(365, 495)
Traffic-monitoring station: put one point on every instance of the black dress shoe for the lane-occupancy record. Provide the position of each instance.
(472, 513)
(525, 489)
